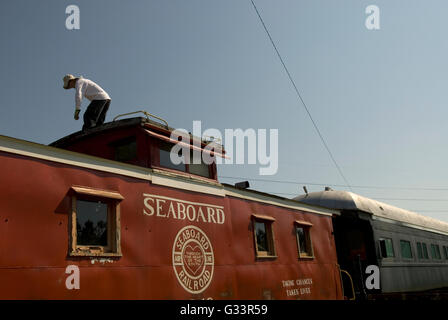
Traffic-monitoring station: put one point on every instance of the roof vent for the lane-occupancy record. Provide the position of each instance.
(242, 185)
(328, 189)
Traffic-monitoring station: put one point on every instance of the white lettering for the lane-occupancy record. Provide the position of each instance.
(148, 206)
(72, 281)
(164, 207)
(159, 207)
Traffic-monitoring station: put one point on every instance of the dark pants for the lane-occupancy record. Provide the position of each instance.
(95, 114)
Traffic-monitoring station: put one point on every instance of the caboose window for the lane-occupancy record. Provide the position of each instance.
(406, 251)
(435, 251)
(95, 222)
(200, 169)
(264, 236)
(165, 159)
(91, 223)
(303, 235)
(445, 250)
(387, 248)
(125, 149)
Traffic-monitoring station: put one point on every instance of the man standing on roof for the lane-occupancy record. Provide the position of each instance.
(100, 100)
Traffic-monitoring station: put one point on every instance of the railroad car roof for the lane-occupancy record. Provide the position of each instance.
(129, 122)
(67, 140)
(157, 177)
(344, 200)
(276, 200)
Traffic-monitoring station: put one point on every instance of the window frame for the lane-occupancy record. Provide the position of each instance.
(166, 147)
(436, 246)
(425, 251)
(112, 199)
(422, 254)
(410, 247)
(157, 163)
(307, 230)
(125, 142)
(268, 221)
(381, 250)
(419, 251)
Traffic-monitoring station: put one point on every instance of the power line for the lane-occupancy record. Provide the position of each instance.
(300, 97)
(446, 211)
(337, 185)
(414, 210)
(378, 199)
(409, 199)
(382, 199)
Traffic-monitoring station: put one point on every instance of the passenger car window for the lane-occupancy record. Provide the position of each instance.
(419, 250)
(406, 251)
(435, 251)
(387, 248)
(425, 251)
(422, 250)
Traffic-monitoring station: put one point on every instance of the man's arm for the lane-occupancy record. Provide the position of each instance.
(81, 87)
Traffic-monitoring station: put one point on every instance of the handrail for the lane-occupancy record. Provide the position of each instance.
(147, 114)
(351, 282)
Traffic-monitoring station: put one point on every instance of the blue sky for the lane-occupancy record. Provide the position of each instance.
(378, 97)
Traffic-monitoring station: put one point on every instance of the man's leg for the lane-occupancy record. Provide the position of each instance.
(91, 114)
(102, 115)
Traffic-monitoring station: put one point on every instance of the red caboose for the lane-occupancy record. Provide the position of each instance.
(104, 215)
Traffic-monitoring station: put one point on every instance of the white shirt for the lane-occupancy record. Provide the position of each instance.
(90, 90)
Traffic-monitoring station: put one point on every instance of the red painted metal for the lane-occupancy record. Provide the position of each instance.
(34, 241)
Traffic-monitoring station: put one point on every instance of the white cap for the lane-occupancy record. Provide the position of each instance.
(67, 78)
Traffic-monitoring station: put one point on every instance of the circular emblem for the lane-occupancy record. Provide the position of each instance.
(193, 259)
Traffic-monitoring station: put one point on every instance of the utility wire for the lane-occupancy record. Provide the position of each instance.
(300, 97)
(414, 210)
(380, 199)
(446, 211)
(336, 185)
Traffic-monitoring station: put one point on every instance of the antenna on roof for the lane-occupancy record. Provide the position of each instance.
(305, 189)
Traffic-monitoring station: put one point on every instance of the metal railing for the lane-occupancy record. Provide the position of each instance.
(351, 282)
(147, 114)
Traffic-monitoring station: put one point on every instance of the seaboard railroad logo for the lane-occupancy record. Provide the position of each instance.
(193, 259)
